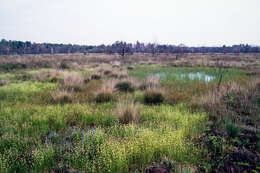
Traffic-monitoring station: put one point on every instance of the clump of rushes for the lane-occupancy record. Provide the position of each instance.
(127, 112)
(105, 94)
(73, 81)
(150, 82)
(125, 86)
(62, 96)
(153, 96)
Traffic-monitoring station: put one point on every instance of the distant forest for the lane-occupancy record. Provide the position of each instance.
(120, 47)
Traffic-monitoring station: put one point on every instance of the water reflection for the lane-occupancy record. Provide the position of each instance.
(190, 75)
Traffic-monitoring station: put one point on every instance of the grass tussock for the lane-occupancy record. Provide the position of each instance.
(154, 96)
(106, 92)
(73, 81)
(48, 76)
(62, 96)
(127, 112)
(127, 85)
(176, 96)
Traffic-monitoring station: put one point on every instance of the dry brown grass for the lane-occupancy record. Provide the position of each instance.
(233, 101)
(106, 92)
(80, 61)
(48, 76)
(175, 96)
(127, 112)
(150, 82)
(62, 96)
(72, 81)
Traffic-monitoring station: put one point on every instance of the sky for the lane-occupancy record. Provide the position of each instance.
(190, 22)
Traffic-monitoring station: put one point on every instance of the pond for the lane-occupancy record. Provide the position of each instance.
(186, 76)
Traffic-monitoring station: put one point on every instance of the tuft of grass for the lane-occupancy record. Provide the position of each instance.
(106, 93)
(73, 81)
(62, 96)
(153, 96)
(48, 76)
(127, 112)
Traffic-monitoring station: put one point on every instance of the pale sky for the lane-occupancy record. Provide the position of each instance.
(191, 22)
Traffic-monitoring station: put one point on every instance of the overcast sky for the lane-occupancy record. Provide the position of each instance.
(191, 22)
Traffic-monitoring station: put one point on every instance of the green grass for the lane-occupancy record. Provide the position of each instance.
(24, 91)
(163, 131)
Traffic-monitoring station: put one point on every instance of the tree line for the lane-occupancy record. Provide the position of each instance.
(120, 47)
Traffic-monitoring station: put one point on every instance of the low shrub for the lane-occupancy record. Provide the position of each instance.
(62, 96)
(153, 96)
(125, 86)
(127, 112)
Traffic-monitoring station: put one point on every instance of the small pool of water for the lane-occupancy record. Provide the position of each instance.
(189, 75)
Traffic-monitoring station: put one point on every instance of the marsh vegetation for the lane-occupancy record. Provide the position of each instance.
(101, 113)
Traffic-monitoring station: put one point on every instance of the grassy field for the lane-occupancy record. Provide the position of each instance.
(108, 114)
